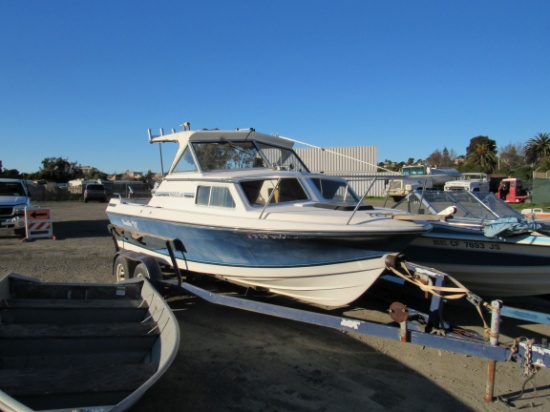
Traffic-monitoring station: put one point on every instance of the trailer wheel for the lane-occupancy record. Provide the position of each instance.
(148, 269)
(141, 271)
(122, 269)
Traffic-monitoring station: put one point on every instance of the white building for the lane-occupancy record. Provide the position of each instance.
(357, 164)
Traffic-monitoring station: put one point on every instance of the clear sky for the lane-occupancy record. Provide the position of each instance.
(85, 79)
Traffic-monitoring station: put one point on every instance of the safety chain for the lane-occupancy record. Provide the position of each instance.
(528, 368)
(514, 347)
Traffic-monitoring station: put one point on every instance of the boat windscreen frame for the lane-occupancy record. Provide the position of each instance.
(289, 159)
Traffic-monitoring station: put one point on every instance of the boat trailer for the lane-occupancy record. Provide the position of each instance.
(408, 325)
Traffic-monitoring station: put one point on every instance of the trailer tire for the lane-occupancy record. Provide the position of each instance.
(122, 268)
(148, 269)
(141, 271)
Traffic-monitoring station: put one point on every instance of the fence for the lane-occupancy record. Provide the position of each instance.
(52, 192)
(541, 191)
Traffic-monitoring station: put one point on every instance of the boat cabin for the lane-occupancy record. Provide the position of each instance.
(243, 169)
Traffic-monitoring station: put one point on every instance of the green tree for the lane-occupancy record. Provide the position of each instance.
(57, 169)
(10, 173)
(538, 148)
(94, 174)
(481, 155)
(148, 178)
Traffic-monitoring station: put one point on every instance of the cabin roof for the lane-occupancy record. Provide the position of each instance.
(183, 137)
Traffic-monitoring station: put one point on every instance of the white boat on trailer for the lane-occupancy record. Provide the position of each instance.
(249, 211)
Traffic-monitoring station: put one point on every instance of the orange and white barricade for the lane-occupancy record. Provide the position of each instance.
(38, 222)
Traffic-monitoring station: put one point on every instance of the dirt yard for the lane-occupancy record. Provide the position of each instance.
(232, 360)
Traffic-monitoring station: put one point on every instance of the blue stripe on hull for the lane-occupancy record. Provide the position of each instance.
(248, 249)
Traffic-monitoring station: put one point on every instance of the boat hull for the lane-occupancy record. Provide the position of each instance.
(321, 268)
(513, 266)
(67, 346)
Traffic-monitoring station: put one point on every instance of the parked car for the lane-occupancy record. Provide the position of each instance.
(14, 198)
(95, 191)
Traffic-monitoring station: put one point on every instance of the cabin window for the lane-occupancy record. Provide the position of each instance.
(335, 190)
(214, 196)
(258, 192)
(186, 163)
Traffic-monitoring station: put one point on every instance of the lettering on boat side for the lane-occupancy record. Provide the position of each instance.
(172, 194)
(189, 195)
(466, 244)
(268, 236)
(349, 323)
(129, 223)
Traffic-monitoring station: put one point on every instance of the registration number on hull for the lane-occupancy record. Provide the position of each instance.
(466, 244)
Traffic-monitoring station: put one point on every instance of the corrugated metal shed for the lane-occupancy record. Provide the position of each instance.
(357, 164)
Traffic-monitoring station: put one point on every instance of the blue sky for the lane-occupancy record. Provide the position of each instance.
(84, 80)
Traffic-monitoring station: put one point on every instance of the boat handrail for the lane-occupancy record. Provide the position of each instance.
(361, 200)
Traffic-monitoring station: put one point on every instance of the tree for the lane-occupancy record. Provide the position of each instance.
(441, 159)
(148, 178)
(435, 158)
(94, 174)
(57, 169)
(481, 154)
(538, 148)
(511, 158)
(448, 157)
(10, 173)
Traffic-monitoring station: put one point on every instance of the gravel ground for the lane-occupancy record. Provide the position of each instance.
(232, 360)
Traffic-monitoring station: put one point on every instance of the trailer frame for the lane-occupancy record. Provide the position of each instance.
(408, 326)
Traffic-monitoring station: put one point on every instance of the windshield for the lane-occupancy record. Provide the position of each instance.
(335, 190)
(469, 205)
(12, 189)
(95, 187)
(228, 155)
(281, 157)
(414, 171)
